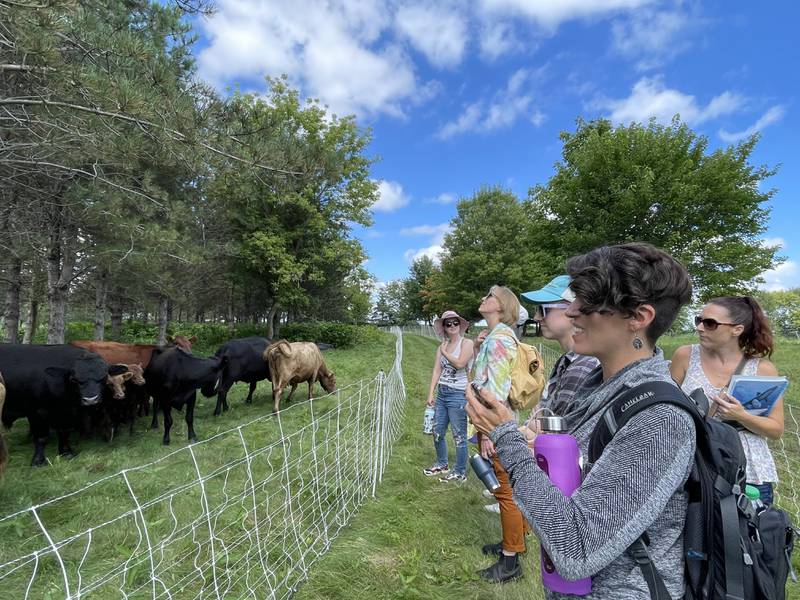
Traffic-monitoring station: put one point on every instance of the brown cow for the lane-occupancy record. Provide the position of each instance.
(293, 363)
(3, 445)
(118, 353)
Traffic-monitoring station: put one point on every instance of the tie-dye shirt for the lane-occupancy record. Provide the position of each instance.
(492, 366)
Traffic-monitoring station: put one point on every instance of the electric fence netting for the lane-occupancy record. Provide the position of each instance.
(243, 514)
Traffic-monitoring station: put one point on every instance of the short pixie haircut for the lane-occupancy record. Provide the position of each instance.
(509, 304)
(621, 278)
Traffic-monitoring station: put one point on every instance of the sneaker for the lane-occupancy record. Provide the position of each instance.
(495, 508)
(453, 478)
(488, 494)
(436, 470)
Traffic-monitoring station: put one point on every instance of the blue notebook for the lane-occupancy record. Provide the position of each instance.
(758, 394)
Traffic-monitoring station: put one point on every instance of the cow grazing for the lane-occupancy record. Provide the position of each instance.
(173, 375)
(242, 360)
(3, 444)
(293, 363)
(48, 384)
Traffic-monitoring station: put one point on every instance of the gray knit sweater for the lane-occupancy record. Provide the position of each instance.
(636, 485)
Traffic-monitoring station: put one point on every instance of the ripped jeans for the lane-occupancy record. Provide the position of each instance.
(450, 404)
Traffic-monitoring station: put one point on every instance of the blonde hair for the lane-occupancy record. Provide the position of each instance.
(509, 304)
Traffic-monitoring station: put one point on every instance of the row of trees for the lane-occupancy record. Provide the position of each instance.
(130, 188)
(642, 182)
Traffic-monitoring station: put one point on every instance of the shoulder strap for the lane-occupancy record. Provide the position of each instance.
(630, 403)
(742, 364)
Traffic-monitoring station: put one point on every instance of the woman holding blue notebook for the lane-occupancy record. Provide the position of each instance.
(735, 339)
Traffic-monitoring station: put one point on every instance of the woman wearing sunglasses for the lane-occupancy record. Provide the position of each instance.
(734, 339)
(450, 375)
(626, 297)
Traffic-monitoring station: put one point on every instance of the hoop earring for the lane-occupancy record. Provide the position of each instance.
(638, 344)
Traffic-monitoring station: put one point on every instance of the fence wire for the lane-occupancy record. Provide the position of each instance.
(244, 514)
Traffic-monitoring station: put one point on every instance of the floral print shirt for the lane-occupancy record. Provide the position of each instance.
(492, 366)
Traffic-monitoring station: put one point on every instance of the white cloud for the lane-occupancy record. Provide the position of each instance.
(373, 233)
(785, 276)
(333, 50)
(435, 249)
(651, 37)
(392, 196)
(440, 34)
(774, 241)
(773, 115)
(432, 252)
(506, 107)
(651, 98)
(549, 13)
(498, 38)
(444, 198)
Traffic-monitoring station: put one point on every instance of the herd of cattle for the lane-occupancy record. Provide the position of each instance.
(87, 385)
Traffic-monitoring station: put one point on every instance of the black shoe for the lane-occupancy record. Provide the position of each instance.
(493, 549)
(507, 568)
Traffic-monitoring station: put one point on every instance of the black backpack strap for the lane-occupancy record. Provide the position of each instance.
(623, 408)
(734, 567)
(655, 583)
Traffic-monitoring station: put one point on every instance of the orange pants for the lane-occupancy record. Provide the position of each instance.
(512, 522)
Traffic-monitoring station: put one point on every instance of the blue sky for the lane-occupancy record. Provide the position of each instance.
(464, 94)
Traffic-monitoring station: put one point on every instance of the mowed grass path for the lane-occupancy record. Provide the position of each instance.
(421, 538)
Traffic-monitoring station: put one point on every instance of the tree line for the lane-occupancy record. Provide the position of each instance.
(129, 188)
(639, 182)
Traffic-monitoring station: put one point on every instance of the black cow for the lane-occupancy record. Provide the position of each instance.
(172, 377)
(242, 360)
(48, 384)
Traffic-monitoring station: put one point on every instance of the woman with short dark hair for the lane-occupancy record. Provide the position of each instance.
(735, 337)
(626, 297)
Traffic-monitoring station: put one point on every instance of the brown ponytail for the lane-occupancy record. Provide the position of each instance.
(756, 339)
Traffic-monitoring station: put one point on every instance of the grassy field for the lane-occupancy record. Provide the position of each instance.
(421, 538)
(418, 539)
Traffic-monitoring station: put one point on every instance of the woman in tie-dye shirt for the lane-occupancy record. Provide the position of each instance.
(497, 349)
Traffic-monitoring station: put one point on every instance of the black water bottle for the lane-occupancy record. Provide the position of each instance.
(485, 472)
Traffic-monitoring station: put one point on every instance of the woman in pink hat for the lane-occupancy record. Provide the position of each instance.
(450, 375)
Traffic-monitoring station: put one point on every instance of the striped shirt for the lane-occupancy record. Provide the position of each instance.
(567, 376)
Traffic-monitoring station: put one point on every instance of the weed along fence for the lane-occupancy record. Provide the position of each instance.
(244, 514)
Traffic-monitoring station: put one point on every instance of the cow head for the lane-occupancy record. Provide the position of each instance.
(89, 373)
(328, 381)
(210, 387)
(116, 383)
(183, 342)
(137, 374)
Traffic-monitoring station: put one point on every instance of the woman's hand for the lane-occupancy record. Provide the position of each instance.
(487, 448)
(729, 408)
(430, 401)
(486, 418)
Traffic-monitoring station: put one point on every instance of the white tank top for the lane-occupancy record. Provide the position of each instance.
(452, 377)
(760, 464)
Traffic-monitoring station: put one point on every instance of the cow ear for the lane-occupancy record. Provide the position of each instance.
(117, 369)
(126, 376)
(169, 339)
(193, 339)
(58, 372)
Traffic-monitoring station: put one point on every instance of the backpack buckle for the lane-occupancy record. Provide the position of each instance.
(744, 505)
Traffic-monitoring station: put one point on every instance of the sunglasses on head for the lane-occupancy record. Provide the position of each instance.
(710, 324)
(453, 323)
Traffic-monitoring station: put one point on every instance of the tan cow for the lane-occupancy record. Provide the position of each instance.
(293, 363)
(3, 445)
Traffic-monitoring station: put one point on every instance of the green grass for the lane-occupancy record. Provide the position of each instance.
(419, 538)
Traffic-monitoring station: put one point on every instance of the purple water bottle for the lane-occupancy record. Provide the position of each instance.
(557, 455)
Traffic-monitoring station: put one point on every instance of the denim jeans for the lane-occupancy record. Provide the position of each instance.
(450, 404)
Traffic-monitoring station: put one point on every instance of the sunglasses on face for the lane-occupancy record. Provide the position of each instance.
(710, 324)
(455, 323)
(543, 309)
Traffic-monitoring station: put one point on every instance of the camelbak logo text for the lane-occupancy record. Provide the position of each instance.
(636, 400)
